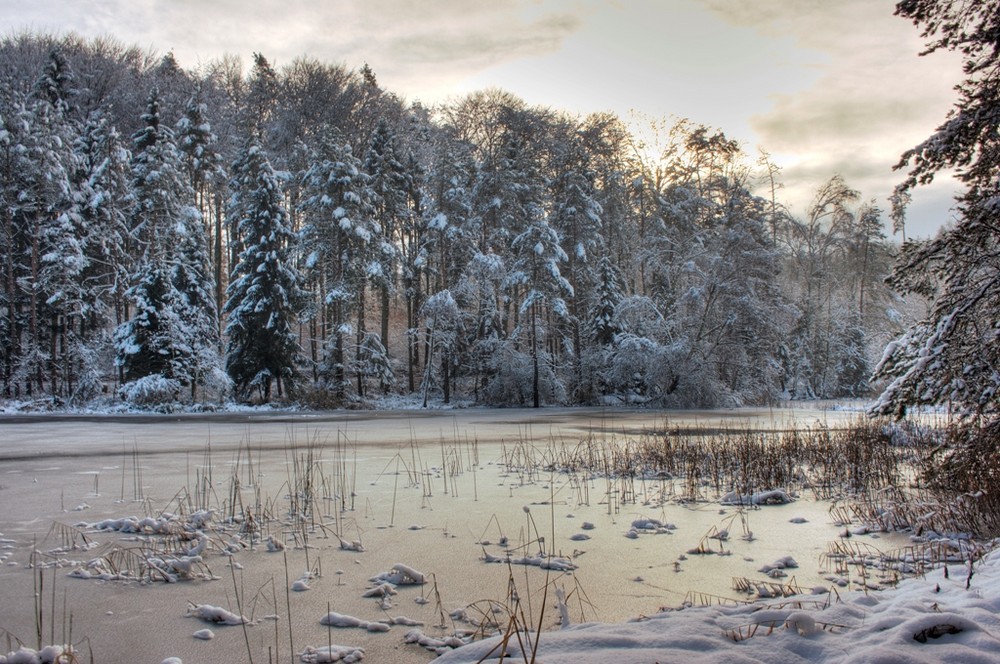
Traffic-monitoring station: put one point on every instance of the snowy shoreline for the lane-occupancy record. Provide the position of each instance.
(944, 617)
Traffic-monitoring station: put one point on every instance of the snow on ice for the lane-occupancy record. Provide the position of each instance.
(939, 618)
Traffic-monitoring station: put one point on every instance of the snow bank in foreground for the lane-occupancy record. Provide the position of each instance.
(933, 619)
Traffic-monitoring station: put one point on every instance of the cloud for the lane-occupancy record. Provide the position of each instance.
(825, 86)
(415, 47)
(873, 98)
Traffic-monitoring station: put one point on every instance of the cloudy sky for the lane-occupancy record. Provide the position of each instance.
(825, 86)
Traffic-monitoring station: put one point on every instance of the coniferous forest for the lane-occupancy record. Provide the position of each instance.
(299, 233)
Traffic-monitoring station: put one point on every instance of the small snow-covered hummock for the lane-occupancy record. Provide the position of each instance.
(333, 653)
(772, 497)
(215, 614)
(304, 582)
(47, 655)
(400, 575)
(785, 562)
(438, 645)
(555, 563)
(334, 619)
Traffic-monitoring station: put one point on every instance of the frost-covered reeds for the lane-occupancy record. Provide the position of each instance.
(885, 474)
(704, 463)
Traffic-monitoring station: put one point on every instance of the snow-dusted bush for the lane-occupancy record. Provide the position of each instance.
(154, 390)
(510, 378)
(215, 383)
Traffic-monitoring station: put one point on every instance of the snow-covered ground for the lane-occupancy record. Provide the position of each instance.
(943, 617)
(420, 536)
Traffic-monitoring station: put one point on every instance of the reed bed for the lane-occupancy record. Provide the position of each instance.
(884, 475)
(859, 460)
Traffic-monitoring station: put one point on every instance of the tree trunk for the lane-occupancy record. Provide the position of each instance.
(384, 331)
(33, 332)
(314, 347)
(411, 329)
(54, 354)
(535, 400)
(359, 340)
(220, 282)
(427, 369)
(13, 329)
(446, 375)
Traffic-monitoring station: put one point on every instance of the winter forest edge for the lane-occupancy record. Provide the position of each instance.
(301, 234)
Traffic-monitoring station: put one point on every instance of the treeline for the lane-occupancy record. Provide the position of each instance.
(302, 233)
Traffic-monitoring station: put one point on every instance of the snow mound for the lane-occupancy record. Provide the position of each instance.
(47, 655)
(772, 497)
(333, 653)
(216, 615)
(934, 619)
(400, 575)
(334, 619)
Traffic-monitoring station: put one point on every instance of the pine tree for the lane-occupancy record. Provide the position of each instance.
(46, 236)
(338, 231)
(447, 247)
(192, 279)
(9, 241)
(263, 293)
(576, 217)
(55, 85)
(102, 182)
(443, 324)
(609, 293)
(61, 260)
(390, 184)
(536, 272)
(952, 355)
(149, 346)
(198, 146)
(479, 293)
(443, 249)
(173, 330)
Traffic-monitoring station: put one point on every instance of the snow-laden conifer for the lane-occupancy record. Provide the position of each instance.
(262, 299)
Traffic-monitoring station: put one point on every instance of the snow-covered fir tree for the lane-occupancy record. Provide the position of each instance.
(576, 217)
(390, 184)
(43, 234)
(443, 321)
(198, 146)
(951, 356)
(537, 276)
(262, 352)
(337, 236)
(602, 330)
(172, 333)
(102, 182)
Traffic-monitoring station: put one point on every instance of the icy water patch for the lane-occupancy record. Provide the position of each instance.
(284, 533)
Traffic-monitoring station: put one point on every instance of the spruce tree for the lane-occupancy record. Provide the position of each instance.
(102, 182)
(263, 294)
(172, 332)
(951, 356)
(389, 184)
(339, 231)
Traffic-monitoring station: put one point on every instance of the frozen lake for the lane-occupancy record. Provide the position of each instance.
(428, 489)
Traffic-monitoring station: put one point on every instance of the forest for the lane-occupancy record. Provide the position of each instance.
(300, 234)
